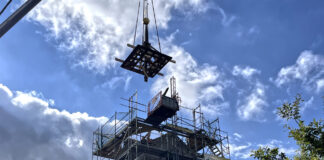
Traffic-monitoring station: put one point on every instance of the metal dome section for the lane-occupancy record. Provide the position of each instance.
(144, 58)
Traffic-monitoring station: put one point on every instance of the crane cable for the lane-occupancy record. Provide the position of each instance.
(139, 5)
(143, 23)
(156, 27)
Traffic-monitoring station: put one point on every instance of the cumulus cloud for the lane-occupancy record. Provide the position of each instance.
(308, 69)
(246, 72)
(198, 83)
(31, 129)
(94, 32)
(252, 107)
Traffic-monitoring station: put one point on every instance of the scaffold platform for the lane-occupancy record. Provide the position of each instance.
(162, 134)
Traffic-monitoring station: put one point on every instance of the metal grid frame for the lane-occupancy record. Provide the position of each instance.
(146, 60)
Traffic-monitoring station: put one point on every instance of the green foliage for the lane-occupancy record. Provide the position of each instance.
(310, 138)
(290, 110)
(265, 153)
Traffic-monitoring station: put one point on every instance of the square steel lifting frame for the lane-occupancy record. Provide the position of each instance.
(145, 60)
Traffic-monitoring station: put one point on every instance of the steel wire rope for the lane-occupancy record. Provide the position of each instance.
(156, 27)
(139, 5)
(143, 23)
(5, 7)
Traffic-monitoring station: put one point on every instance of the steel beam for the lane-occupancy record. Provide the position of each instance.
(17, 16)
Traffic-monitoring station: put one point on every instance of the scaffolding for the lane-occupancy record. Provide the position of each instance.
(127, 136)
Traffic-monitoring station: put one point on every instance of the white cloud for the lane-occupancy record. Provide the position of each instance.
(307, 104)
(253, 30)
(237, 135)
(33, 130)
(196, 83)
(276, 143)
(308, 69)
(5, 92)
(243, 151)
(211, 92)
(252, 107)
(215, 109)
(226, 20)
(320, 85)
(240, 151)
(114, 82)
(246, 72)
(94, 32)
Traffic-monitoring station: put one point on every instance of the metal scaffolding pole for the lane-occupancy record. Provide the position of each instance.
(193, 138)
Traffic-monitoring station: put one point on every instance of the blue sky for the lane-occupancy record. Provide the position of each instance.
(239, 59)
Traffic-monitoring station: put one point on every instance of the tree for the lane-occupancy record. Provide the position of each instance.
(310, 138)
(265, 153)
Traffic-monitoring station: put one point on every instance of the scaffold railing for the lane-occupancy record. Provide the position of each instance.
(128, 136)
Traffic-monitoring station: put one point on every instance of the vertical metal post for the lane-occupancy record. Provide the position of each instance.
(99, 140)
(161, 140)
(93, 140)
(201, 118)
(173, 87)
(130, 112)
(194, 119)
(167, 140)
(17, 16)
(136, 127)
(146, 21)
(115, 123)
(221, 142)
(228, 147)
